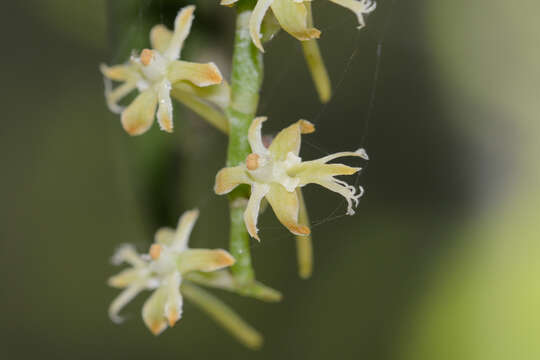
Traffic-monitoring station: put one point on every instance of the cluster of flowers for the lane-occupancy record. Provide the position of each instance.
(276, 172)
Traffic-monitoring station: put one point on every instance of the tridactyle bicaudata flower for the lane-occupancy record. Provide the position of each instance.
(294, 16)
(162, 271)
(153, 73)
(278, 172)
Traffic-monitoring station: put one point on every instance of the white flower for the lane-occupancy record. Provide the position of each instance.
(294, 16)
(276, 173)
(162, 270)
(154, 73)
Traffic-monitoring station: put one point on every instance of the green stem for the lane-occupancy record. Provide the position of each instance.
(223, 314)
(247, 74)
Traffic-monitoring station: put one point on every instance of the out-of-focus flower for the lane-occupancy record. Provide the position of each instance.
(276, 172)
(153, 73)
(294, 15)
(162, 270)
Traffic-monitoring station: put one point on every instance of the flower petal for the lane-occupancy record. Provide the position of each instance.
(256, 20)
(227, 2)
(361, 153)
(314, 171)
(345, 190)
(255, 137)
(359, 7)
(258, 191)
(183, 230)
(203, 260)
(165, 109)
(160, 37)
(153, 311)
(173, 305)
(118, 72)
(125, 278)
(285, 205)
(293, 17)
(126, 253)
(199, 74)
(114, 96)
(288, 139)
(121, 300)
(229, 178)
(139, 115)
(182, 26)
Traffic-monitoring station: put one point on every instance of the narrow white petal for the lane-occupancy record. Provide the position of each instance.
(183, 231)
(258, 192)
(182, 27)
(256, 20)
(255, 137)
(121, 300)
(165, 109)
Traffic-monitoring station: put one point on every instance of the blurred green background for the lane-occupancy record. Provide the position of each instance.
(440, 261)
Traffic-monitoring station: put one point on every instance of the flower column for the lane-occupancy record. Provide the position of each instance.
(247, 75)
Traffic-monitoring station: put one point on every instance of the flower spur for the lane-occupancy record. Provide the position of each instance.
(276, 173)
(154, 73)
(162, 270)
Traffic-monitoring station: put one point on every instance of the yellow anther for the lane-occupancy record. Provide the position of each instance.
(146, 57)
(155, 251)
(252, 162)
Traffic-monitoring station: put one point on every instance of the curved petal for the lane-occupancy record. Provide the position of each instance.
(361, 153)
(359, 7)
(229, 178)
(345, 190)
(126, 253)
(160, 37)
(139, 115)
(203, 260)
(288, 139)
(165, 109)
(114, 96)
(121, 300)
(153, 311)
(182, 26)
(255, 137)
(256, 20)
(286, 206)
(199, 74)
(293, 17)
(258, 191)
(183, 230)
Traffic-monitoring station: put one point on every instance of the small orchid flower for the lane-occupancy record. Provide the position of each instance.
(153, 73)
(294, 16)
(162, 271)
(276, 173)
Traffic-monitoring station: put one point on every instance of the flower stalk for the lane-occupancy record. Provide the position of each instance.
(304, 244)
(223, 315)
(315, 63)
(247, 74)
